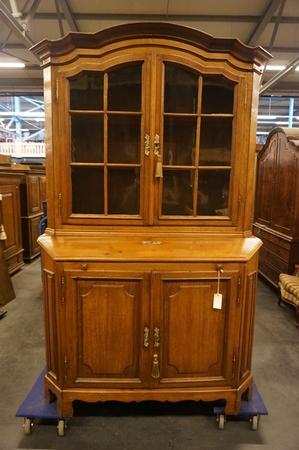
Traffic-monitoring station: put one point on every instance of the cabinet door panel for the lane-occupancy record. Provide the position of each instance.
(284, 193)
(113, 306)
(198, 326)
(107, 316)
(33, 194)
(196, 337)
(10, 218)
(264, 193)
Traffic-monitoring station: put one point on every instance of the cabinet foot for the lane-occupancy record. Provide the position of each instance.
(65, 408)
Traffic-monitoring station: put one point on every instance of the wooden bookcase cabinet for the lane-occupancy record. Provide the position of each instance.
(150, 172)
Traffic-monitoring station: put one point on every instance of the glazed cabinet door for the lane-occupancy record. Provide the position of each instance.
(106, 318)
(149, 141)
(105, 117)
(197, 146)
(197, 330)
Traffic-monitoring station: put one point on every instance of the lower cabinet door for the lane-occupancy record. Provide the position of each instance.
(197, 328)
(106, 322)
(150, 329)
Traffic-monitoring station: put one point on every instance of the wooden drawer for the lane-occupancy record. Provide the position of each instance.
(276, 250)
(15, 262)
(273, 260)
(275, 239)
(269, 272)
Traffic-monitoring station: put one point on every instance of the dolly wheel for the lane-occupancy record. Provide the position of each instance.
(254, 422)
(27, 425)
(61, 427)
(221, 421)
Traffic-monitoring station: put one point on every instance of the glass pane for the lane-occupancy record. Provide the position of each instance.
(177, 194)
(217, 96)
(124, 191)
(179, 140)
(215, 141)
(87, 190)
(124, 89)
(86, 92)
(124, 139)
(87, 138)
(181, 89)
(213, 188)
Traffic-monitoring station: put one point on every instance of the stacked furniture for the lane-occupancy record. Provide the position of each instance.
(276, 219)
(149, 262)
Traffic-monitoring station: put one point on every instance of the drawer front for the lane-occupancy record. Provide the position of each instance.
(15, 262)
(274, 251)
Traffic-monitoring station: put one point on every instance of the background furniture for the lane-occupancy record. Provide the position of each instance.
(276, 219)
(289, 290)
(10, 217)
(149, 263)
(7, 291)
(31, 194)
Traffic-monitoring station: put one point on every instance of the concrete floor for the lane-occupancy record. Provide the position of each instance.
(151, 425)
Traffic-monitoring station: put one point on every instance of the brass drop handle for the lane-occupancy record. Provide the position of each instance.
(157, 145)
(156, 337)
(147, 145)
(155, 367)
(146, 337)
(159, 171)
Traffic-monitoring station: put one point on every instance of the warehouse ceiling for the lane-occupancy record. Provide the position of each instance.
(272, 24)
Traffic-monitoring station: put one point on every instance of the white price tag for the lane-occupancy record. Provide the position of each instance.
(217, 303)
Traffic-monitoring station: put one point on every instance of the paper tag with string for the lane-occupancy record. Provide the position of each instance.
(217, 302)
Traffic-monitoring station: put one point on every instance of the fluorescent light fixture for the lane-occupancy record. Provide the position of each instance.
(12, 130)
(26, 114)
(267, 117)
(276, 68)
(15, 65)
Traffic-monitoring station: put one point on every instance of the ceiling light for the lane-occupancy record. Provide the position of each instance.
(266, 117)
(15, 65)
(275, 68)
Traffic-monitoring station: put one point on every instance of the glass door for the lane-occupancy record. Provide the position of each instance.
(197, 130)
(150, 142)
(106, 127)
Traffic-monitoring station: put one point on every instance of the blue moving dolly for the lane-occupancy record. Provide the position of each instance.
(35, 406)
(253, 408)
